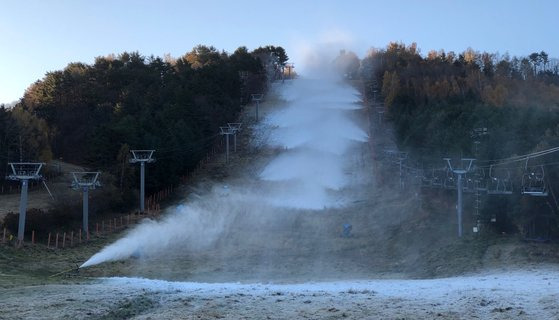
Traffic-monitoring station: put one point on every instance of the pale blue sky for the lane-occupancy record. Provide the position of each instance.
(44, 35)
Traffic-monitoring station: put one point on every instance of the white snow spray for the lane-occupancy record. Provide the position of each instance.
(193, 226)
(313, 131)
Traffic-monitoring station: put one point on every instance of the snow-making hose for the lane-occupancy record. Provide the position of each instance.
(66, 271)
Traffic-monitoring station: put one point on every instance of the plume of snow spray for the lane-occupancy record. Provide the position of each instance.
(193, 226)
(315, 131)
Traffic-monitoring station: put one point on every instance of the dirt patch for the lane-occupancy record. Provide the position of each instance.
(128, 308)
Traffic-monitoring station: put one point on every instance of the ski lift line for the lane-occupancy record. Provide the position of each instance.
(546, 164)
(513, 167)
(422, 169)
(521, 157)
(517, 159)
(480, 167)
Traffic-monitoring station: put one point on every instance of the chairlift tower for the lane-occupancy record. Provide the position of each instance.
(477, 134)
(380, 113)
(227, 131)
(477, 205)
(85, 181)
(397, 157)
(257, 97)
(236, 127)
(142, 157)
(24, 171)
(460, 172)
(401, 157)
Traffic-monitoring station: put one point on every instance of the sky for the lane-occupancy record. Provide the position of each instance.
(37, 36)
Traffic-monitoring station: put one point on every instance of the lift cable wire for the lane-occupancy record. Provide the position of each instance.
(517, 158)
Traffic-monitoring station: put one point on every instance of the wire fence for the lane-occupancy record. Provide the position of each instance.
(98, 229)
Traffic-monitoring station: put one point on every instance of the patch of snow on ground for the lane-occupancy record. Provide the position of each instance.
(512, 294)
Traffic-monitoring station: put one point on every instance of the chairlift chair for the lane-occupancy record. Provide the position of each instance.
(450, 180)
(426, 181)
(533, 182)
(499, 184)
(469, 184)
(438, 178)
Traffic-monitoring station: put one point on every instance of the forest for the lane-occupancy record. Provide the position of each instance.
(94, 114)
(502, 111)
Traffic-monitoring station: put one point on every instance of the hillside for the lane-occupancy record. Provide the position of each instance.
(392, 237)
(316, 193)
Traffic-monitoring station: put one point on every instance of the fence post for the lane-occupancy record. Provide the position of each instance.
(4, 236)
(64, 240)
(56, 242)
(33, 237)
(72, 239)
(48, 242)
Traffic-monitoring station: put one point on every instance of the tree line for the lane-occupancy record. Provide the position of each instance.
(438, 102)
(93, 114)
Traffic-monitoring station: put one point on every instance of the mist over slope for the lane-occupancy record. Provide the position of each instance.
(315, 133)
(311, 129)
